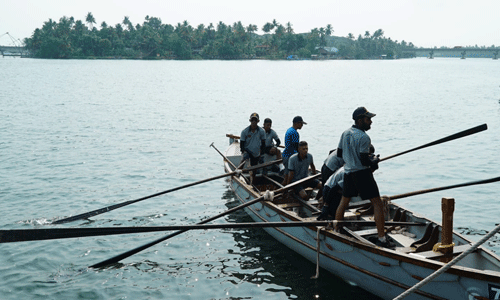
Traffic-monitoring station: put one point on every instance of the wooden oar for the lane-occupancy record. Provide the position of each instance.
(25, 235)
(118, 205)
(139, 249)
(443, 140)
(495, 179)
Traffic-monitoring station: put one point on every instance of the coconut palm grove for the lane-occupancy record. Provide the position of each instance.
(154, 40)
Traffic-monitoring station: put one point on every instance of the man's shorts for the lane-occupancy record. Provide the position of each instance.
(253, 160)
(332, 198)
(360, 183)
(310, 183)
(325, 174)
(285, 163)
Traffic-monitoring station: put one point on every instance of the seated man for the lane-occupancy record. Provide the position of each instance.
(332, 194)
(298, 168)
(271, 137)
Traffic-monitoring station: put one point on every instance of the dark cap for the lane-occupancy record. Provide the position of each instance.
(298, 119)
(267, 120)
(361, 112)
(254, 116)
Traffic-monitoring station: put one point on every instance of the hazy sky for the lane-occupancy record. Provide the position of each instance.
(425, 23)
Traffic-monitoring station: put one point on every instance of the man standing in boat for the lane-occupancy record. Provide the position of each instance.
(252, 141)
(292, 140)
(271, 137)
(354, 148)
(333, 186)
(298, 168)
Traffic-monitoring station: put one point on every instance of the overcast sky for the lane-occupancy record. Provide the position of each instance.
(425, 23)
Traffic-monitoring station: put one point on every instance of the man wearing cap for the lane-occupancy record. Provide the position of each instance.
(292, 139)
(354, 148)
(252, 140)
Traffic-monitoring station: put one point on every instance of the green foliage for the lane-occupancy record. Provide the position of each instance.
(153, 39)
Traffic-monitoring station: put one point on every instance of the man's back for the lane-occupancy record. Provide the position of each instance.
(291, 142)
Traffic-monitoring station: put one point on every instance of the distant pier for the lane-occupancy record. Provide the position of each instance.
(14, 51)
(457, 52)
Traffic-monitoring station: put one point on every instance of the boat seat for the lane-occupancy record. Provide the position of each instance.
(401, 239)
(366, 232)
(434, 255)
(289, 205)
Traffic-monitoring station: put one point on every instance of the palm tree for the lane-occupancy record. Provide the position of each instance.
(267, 27)
(350, 36)
(252, 28)
(367, 34)
(90, 20)
(289, 28)
(126, 22)
(378, 33)
(329, 30)
(275, 24)
(322, 36)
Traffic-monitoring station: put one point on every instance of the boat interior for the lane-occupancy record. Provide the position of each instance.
(417, 240)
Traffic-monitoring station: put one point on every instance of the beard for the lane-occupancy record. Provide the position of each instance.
(365, 126)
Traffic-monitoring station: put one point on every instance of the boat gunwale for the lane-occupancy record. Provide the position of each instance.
(460, 271)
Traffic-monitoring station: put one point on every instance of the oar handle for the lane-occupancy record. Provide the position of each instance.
(443, 140)
(24, 235)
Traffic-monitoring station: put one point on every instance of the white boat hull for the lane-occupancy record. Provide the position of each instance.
(383, 272)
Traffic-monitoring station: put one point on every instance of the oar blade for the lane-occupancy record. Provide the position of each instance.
(452, 137)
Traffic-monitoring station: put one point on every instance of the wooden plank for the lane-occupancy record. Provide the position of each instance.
(402, 239)
(289, 205)
(273, 181)
(431, 254)
(358, 237)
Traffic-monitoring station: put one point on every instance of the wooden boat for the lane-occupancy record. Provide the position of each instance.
(350, 255)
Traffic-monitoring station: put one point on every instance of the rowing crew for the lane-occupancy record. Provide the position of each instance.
(348, 170)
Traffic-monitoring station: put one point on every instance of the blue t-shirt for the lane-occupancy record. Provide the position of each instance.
(291, 137)
(253, 140)
(300, 167)
(353, 142)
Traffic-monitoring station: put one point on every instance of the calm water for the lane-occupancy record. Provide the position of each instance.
(77, 135)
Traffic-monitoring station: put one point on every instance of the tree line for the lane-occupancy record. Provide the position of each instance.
(153, 39)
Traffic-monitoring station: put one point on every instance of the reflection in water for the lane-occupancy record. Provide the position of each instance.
(262, 260)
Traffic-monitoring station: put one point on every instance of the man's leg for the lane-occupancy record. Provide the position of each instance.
(378, 214)
(319, 186)
(303, 194)
(344, 203)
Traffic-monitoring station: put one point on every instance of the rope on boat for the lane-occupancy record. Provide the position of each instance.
(317, 253)
(448, 265)
(269, 195)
